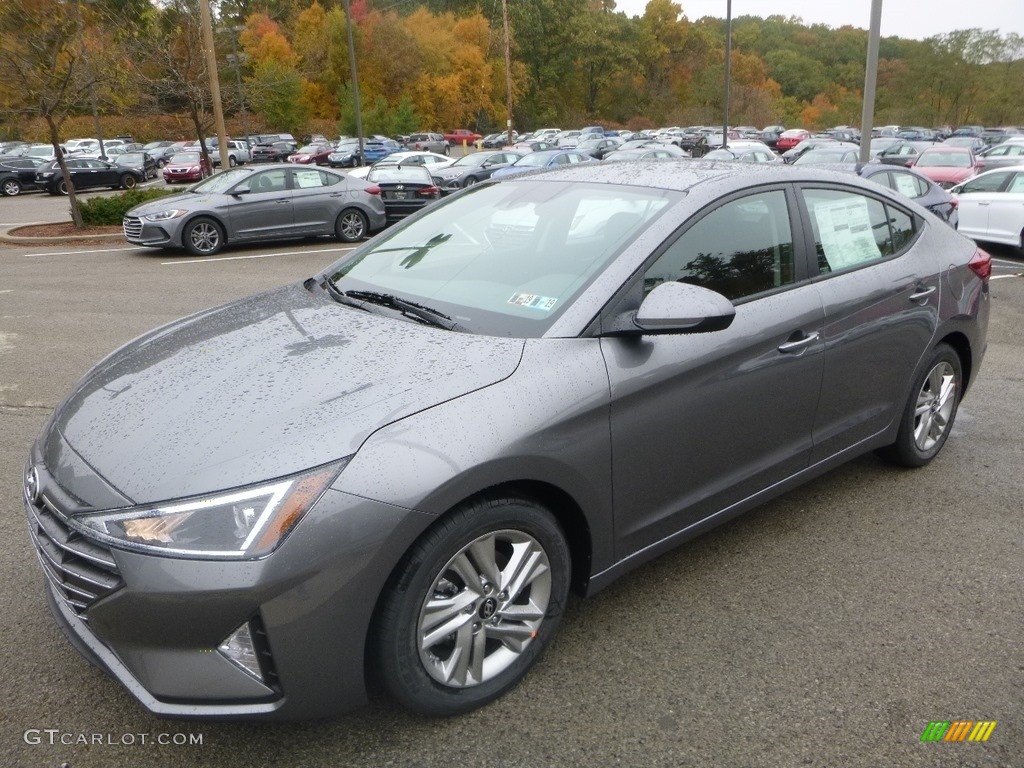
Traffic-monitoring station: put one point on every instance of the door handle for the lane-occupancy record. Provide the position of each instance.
(283, 200)
(922, 294)
(797, 345)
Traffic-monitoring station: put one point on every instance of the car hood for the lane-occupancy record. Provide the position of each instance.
(180, 200)
(450, 172)
(257, 389)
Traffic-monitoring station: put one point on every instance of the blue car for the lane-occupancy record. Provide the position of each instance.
(375, 150)
(549, 158)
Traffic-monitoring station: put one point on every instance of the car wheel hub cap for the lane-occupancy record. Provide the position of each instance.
(484, 608)
(934, 406)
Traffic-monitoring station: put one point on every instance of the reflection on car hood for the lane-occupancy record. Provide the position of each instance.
(179, 200)
(260, 388)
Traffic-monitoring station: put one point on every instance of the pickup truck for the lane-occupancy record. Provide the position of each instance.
(460, 135)
(238, 152)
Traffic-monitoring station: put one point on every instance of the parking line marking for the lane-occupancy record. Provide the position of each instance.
(1000, 277)
(209, 260)
(69, 253)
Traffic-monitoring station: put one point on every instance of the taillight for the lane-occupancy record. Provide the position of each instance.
(981, 264)
(954, 201)
(374, 190)
(429, 192)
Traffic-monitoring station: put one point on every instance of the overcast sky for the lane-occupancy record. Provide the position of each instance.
(904, 18)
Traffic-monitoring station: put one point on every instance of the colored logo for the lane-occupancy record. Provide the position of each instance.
(958, 730)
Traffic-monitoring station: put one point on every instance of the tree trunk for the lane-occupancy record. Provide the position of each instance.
(76, 213)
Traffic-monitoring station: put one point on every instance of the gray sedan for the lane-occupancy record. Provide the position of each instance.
(253, 204)
(397, 469)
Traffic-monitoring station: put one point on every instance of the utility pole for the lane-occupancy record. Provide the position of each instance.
(508, 68)
(867, 115)
(728, 69)
(211, 65)
(355, 79)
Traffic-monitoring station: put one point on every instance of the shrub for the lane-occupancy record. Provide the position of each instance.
(98, 211)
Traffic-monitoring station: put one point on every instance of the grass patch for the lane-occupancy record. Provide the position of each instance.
(100, 211)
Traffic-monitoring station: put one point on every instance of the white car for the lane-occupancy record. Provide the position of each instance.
(991, 206)
(430, 160)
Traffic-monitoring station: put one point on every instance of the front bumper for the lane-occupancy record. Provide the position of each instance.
(157, 622)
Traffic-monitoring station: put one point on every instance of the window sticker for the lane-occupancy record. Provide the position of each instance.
(305, 179)
(905, 185)
(543, 303)
(845, 231)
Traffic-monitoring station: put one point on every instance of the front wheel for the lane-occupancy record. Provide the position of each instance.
(472, 606)
(203, 237)
(351, 226)
(930, 411)
(470, 181)
(62, 188)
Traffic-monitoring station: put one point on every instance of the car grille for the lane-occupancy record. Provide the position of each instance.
(80, 570)
(132, 226)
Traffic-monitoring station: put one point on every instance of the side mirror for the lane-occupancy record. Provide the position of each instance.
(678, 308)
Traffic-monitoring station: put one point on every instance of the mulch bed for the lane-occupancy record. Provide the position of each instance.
(64, 229)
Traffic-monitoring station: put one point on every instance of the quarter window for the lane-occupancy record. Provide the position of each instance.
(990, 182)
(743, 248)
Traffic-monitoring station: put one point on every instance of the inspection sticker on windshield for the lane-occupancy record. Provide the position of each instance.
(533, 301)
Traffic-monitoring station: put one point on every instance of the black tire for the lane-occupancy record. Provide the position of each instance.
(930, 410)
(62, 187)
(467, 558)
(160, 164)
(352, 225)
(447, 150)
(128, 181)
(203, 237)
(10, 187)
(232, 162)
(470, 181)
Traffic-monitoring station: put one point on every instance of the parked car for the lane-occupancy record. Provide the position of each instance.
(140, 161)
(973, 143)
(86, 173)
(1005, 155)
(770, 135)
(346, 154)
(948, 166)
(663, 152)
(255, 204)
(18, 174)
(272, 152)
(399, 468)
(238, 152)
(429, 160)
(461, 136)
(916, 186)
(533, 145)
(790, 138)
(311, 154)
(405, 189)
(903, 153)
(826, 155)
(991, 207)
(428, 142)
(598, 148)
(816, 142)
(375, 149)
(161, 151)
(187, 167)
(548, 158)
(744, 152)
(500, 140)
(471, 169)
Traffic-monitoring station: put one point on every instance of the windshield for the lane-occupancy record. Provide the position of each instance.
(944, 160)
(473, 161)
(129, 158)
(185, 157)
(222, 181)
(534, 160)
(505, 259)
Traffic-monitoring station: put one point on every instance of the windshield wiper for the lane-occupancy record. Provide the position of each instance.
(425, 314)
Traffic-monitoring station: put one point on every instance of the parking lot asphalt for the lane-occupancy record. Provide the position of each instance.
(826, 628)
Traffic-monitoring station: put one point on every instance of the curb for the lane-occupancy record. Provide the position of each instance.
(6, 237)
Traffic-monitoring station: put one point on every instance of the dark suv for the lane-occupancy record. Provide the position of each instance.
(428, 142)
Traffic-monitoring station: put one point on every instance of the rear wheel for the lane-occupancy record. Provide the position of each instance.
(128, 181)
(203, 237)
(11, 187)
(232, 161)
(472, 606)
(352, 226)
(470, 181)
(930, 411)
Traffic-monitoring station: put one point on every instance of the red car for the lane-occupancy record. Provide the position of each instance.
(186, 167)
(312, 154)
(947, 166)
(460, 135)
(792, 137)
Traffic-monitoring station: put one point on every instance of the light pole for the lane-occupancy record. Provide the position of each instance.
(206, 21)
(355, 79)
(234, 58)
(728, 67)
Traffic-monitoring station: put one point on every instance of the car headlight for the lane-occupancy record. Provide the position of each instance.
(173, 213)
(242, 523)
